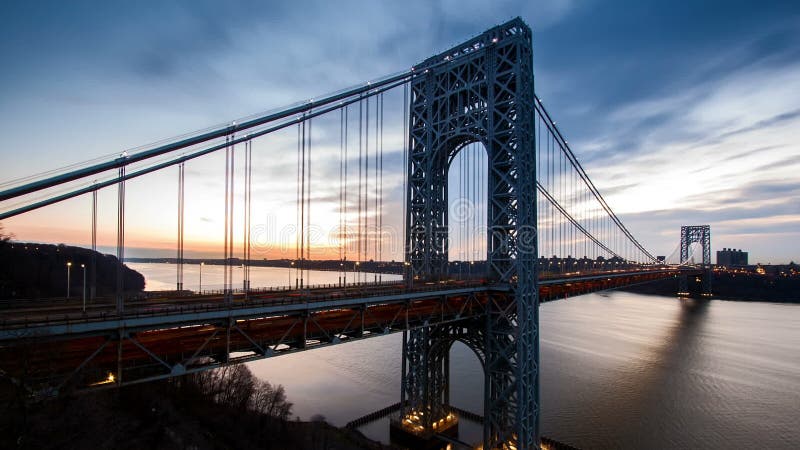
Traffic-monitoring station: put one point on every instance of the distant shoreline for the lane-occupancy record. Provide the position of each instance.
(388, 267)
(742, 288)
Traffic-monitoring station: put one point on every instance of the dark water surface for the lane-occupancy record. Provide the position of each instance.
(619, 370)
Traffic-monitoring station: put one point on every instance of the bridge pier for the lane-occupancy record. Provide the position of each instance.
(482, 93)
(426, 381)
(698, 286)
(691, 234)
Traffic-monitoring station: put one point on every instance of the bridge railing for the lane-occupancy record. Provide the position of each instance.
(151, 310)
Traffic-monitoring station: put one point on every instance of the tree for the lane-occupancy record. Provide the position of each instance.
(236, 387)
(271, 401)
(4, 238)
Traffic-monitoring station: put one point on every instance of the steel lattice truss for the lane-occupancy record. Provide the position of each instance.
(691, 234)
(485, 95)
(65, 356)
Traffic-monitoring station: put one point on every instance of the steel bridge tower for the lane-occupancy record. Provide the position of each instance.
(484, 94)
(689, 235)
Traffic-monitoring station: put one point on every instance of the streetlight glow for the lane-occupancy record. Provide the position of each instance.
(83, 266)
(69, 266)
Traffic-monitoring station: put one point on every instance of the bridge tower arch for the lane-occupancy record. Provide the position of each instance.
(479, 91)
(691, 234)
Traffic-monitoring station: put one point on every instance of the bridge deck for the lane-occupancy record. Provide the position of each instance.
(162, 337)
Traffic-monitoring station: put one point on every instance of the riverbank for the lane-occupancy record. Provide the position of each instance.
(329, 265)
(33, 270)
(167, 415)
(729, 286)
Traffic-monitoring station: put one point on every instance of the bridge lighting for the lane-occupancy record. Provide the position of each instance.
(83, 266)
(69, 265)
(494, 40)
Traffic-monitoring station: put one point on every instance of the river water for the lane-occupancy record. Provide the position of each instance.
(619, 370)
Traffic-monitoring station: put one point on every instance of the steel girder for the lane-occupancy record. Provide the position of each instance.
(115, 355)
(484, 95)
(689, 235)
(425, 386)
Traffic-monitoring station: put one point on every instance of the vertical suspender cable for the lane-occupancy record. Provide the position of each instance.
(550, 188)
(93, 289)
(366, 185)
(484, 203)
(308, 210)
(339, 232)
(380, 210)
(249, 208)
(474, 181)
(344, 201)
(248, 178)
(230, 223)
(406, 169)
(298, 207)
(564, 223)
(464, 198)
(377, 184)
(179, 265)
(360, 184)
(227, 212)
(572, 229)
(462, 185)
(244, 222)
(539, 160)
(301, 264)
(120, 239)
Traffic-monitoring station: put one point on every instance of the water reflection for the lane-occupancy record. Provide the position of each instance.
(619, 370)
(161, 276)
(649, 380)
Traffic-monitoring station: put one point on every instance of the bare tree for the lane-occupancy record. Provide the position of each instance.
(270, 400)
(3, 236)
(235, 386)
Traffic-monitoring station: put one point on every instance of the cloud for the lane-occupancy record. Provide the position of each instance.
(679, 112)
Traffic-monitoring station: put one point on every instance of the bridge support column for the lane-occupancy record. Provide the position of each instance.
(480, 91)
(691, 234)
(425, 383)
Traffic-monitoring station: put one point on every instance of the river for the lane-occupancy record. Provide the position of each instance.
(619, 370)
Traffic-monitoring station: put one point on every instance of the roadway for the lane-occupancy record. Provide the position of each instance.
(163, 336)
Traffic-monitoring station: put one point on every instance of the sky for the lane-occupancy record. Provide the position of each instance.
(681, 112)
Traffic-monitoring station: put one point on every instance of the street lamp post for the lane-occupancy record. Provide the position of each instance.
(69, 266)
(200, 290)
(291, 266)
(83, 266)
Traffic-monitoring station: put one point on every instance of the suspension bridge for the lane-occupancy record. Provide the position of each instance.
(497, 216)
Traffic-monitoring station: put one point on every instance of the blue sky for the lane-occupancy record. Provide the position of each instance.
(682, 112)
